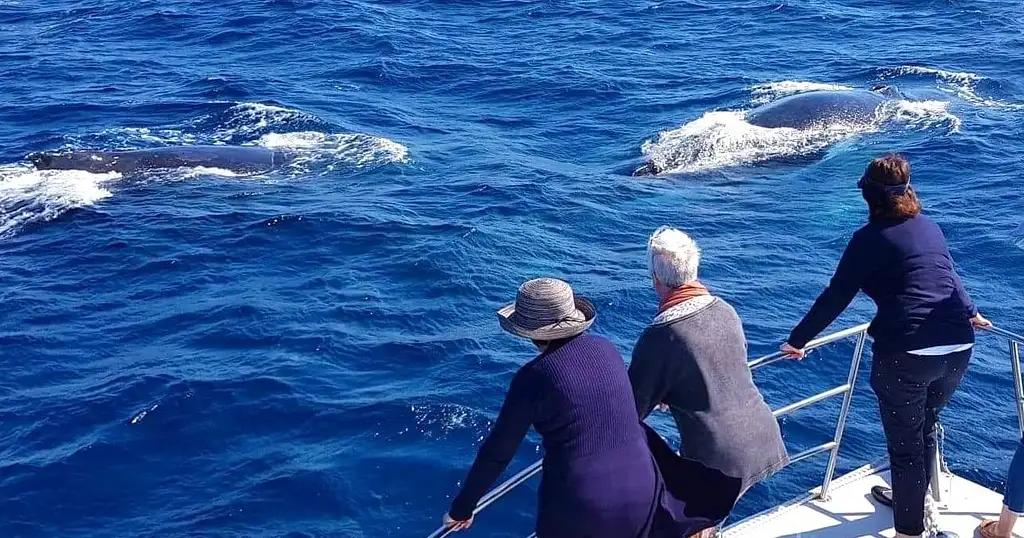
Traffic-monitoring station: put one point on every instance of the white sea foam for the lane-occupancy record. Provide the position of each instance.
(959, 83)
(198, 171)
(920, 114)
(274, 127)
(28, 195)
(346, 148)
(441, 420)
(719, 139)
(770, 91)
(134, 136)
(142, 414)
(942, 74)
(254, 119)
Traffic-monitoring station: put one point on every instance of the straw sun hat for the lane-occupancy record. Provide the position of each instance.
(546, 309)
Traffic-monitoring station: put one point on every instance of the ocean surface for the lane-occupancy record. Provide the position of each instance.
(314, 352)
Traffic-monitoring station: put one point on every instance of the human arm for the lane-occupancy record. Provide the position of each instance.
(962, 292)
(648, 375)
(498, 449)
(977, 319)
(855, 264)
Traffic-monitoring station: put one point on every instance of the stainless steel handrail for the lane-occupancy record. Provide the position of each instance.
(496, 493)
(830, 469)
(1018, 387)
(1015, 341)
(860, 331)
(813, 344)
(1006, 334)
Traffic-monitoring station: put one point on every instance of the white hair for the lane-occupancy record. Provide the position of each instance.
(672, 257)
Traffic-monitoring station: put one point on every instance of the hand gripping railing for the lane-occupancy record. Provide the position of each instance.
(860, 331)
(496, 493)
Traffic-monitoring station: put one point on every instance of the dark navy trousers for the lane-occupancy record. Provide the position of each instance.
(911, 391)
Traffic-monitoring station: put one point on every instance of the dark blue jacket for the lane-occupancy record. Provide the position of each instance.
(599, 479)
(905, 267)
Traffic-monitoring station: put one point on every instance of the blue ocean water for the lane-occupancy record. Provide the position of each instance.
(314, 352)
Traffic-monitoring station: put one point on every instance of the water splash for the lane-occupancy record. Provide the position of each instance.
(920, 114)
(719, 139)
(332, 149)
(962, 84)
(128, 137)
(28, 195)
(142, 414)
(441, 420)
(252, 120)
(771, 91)
(206, 171)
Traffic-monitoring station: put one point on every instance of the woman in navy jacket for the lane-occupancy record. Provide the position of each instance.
(923, 330)
(600, 479)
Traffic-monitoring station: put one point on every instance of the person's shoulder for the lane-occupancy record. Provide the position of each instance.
(722, 304)
(925, 221)
(650, 341)
(922, 227)
(715, 312)
(870, 229)
(726, 313)
(590, 342)
(596, 340)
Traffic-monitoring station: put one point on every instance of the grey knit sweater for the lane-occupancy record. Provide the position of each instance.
(693, 357)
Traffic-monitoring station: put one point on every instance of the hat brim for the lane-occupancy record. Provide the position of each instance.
(565, 329)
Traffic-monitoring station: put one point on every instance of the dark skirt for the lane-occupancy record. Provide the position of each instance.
(695, 495)
(619, 494)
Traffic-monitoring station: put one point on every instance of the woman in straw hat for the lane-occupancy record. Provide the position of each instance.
(599, 478)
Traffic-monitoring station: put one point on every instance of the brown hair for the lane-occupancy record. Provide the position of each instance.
(890, 170)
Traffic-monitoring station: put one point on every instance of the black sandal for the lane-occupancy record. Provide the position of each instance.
(883, 495)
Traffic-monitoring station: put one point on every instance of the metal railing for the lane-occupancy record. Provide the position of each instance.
(1014, 341)
(846, 389)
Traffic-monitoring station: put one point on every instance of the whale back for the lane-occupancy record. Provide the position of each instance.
(97, 162)
(818, 108)
(234, 158)
(243, 159)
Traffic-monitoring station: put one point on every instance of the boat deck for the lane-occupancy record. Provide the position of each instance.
(851, 512)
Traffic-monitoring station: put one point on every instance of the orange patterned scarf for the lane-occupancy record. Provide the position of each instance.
(681, 294)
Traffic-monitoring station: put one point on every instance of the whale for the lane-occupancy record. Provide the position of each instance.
(818, 108)
(812, 109)
(242, 159)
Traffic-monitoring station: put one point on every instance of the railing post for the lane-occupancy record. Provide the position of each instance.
(936, 482)
(858, 351)
(1018, 385)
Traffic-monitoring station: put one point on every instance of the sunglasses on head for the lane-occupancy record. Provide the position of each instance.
(889, 189)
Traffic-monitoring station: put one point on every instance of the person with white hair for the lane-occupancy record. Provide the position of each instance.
(692, 360)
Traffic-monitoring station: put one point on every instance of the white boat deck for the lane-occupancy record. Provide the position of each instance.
(851, 512)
